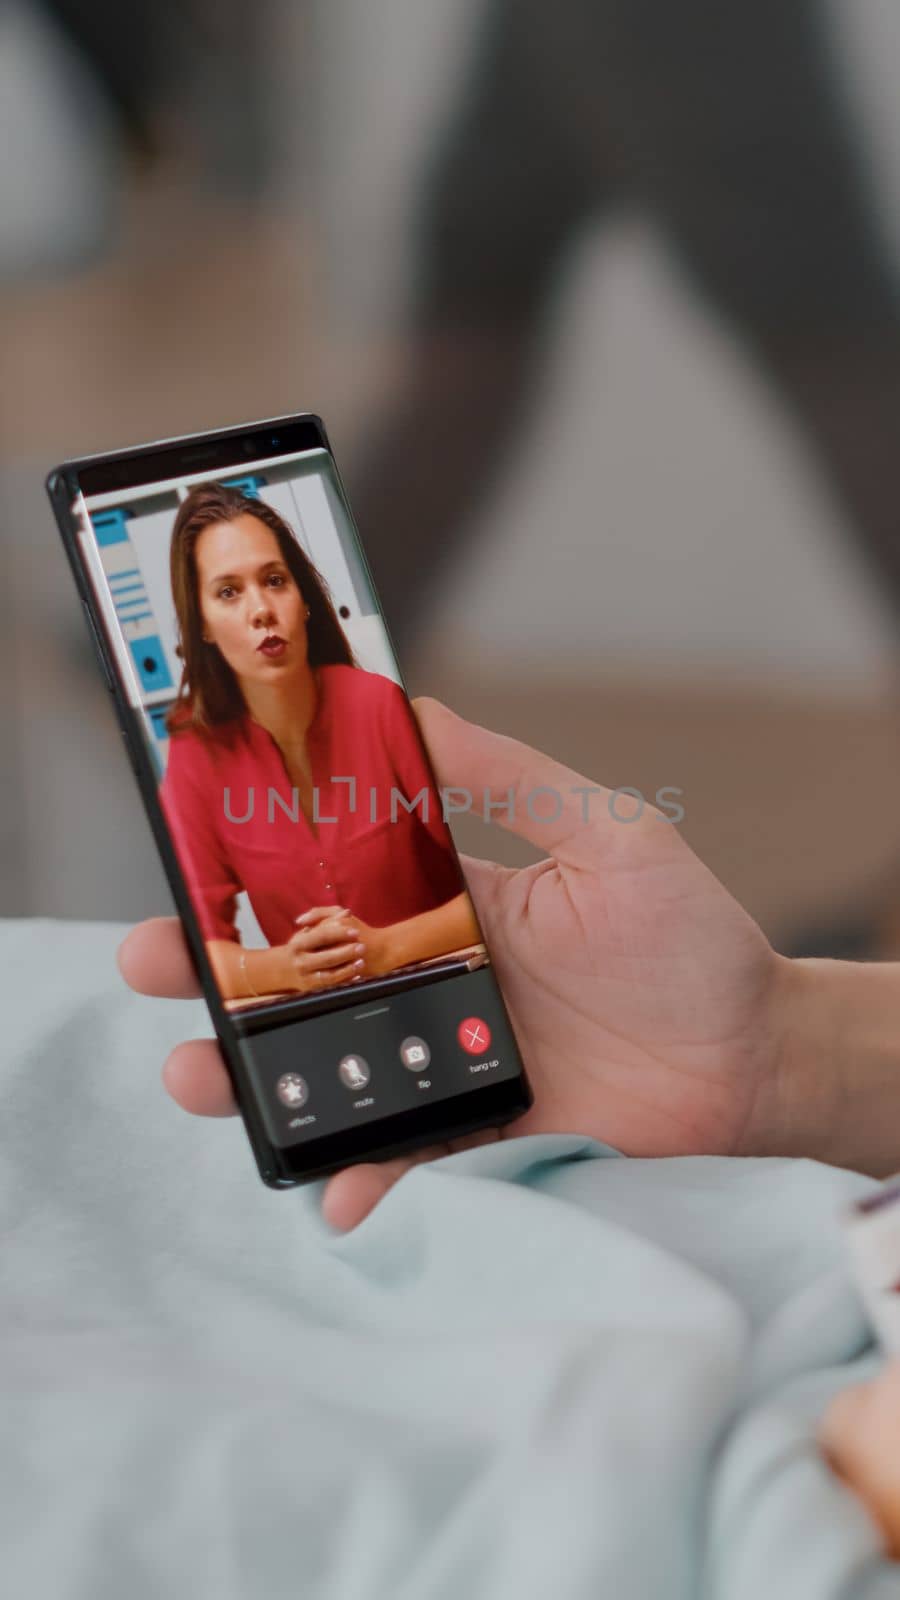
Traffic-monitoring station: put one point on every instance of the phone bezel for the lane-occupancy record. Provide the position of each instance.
(279, 1167)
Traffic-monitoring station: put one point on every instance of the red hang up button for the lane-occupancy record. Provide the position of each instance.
(474, 1036)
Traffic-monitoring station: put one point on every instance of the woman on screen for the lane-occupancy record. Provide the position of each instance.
(283, 755)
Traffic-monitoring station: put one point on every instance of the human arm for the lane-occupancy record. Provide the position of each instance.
(325, 951)
(424, 842)
(451, 926)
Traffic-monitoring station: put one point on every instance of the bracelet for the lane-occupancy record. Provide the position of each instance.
(247, 978)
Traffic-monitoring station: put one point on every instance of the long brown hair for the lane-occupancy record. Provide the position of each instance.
(209, 693)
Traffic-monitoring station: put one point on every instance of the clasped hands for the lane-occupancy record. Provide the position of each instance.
(333, 944)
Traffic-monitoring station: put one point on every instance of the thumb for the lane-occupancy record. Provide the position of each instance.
(504, 781)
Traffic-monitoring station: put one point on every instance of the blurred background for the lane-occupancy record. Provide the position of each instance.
(600, 304)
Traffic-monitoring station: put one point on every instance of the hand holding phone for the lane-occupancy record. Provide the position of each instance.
(638, 987)
(290, 795)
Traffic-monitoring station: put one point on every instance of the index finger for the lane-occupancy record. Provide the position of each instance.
(154, 959)
(526, 792)
(318, 913)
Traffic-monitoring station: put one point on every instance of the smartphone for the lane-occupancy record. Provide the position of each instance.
(290, 795)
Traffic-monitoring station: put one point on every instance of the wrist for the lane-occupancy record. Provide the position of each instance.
(774, 1060)
(388, 951)
(834, 1088)
(249, 987)
(282, 973)
(794, 1110)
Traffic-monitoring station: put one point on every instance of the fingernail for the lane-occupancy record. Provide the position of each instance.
(360, 949)
(303, 918)
(359, 963)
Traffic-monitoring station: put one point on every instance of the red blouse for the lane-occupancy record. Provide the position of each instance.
(355, 856)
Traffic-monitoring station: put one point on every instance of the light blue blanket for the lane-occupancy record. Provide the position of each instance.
(538, 1369)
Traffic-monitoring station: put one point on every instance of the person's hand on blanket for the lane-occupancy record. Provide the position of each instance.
(646, 1001)
(860, 1436)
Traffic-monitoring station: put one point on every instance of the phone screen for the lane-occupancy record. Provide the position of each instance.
(311, 839)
